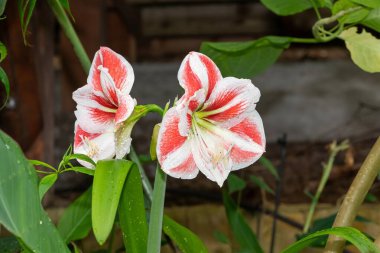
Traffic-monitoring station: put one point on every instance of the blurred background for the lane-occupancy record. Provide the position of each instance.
(313, 95)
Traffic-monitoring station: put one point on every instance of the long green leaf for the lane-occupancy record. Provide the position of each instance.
(187, 241)
(290, 7)
(269, 166)
(261, 183)
(245, 59)
(108, 184)
(75, 223)
(235, 183)
(9, 244)
(132, 215)
(46, 183)
(20, 208)
(368, 3)
(3, 50)
(243, 234)
(3, 3)
(352, 235)
(4, 80)
(25, 8)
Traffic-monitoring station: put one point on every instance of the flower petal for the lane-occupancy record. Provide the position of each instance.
(118, 67)
(252, 129)
(94, 119)
(197, 71)
(96, 146)
(231, 101)
(125, 107)
(211, 154)
(173, 150)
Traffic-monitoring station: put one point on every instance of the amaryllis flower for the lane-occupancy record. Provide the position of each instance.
(214, 128)
(103, 108)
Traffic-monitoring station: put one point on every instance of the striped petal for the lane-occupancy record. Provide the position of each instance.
(197, 71)
(118, 68)
(173, 149)
(252, 130)
(96, 146)
(125, 107)
(231, 101)
(94, 119)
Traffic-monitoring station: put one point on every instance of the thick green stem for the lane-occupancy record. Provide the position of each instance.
(334, 149)
(68, 28)
(157, 211)
(355, 197)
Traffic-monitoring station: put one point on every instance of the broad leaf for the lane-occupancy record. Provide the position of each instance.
(3, 3)
(46, 183)
(132, 215)
(21, 212)
(260, 183)
(25, 9)
(350, 18)
(187, 241)
(289, 7)
(364, 49)
(245, 59)
(368, 3)
(235, 183)
(4, 80)
(75, 223)
(3, 51)
(108, 184)
(354, 236)
(373, 19)
(243, 234)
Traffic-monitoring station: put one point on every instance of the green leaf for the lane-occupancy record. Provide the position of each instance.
(108, 184)
(25, 9)
(371, 198)
(235, 183)
(245, 59)
(43, 164)
(21, 212)
(260, 183)
(350, 18)
(3, 3)
(290, 7)
(354, 236)
(368, 3)
(187, 241)
(240, 228)
(269, 166)
(75, 223)
(66, 6)
(9, 244)
(220, 237)
(3, 50)
(364, 49)
(4, 80)
(132, 215)
(82, 157)
(46, 183)
(373, 19)
(83, 170)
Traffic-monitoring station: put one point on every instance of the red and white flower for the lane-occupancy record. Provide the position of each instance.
(103, 106)
(214, 128)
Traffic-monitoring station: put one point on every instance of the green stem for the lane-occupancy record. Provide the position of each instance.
(68, 28)
(157, 211)
(355, 197)
(145, 181)
(334, 149)
(315, 7)
(304, 40)
(319, 31)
